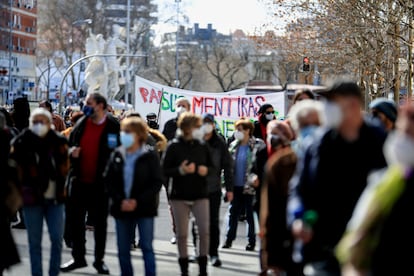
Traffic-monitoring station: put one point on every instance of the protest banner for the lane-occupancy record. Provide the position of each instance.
(227, 107)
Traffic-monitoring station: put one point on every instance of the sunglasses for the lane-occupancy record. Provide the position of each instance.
(270, 112)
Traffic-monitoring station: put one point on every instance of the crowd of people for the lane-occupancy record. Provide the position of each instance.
(324, 191)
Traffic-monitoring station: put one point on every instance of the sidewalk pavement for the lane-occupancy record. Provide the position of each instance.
(236, 260)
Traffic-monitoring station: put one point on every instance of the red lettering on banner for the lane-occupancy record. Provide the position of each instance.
(260, 100)
(154, 96)
(159, 96)
(197, 102)
(207, 105)
(144, 94)
(251, 108)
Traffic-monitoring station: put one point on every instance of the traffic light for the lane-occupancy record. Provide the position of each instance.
(306, 64)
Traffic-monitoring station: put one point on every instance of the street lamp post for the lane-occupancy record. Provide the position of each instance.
(127, 77)
(177, 81)
(76, 23)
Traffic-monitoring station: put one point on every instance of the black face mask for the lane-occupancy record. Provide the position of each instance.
(153, 124)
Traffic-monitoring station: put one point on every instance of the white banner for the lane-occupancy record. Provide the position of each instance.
(226, 107)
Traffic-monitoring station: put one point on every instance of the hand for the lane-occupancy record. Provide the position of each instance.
(75, 152)
(187, 167)
(128, 205)
(202, 170)
(254, 181)
(301, 231)
(229, 196)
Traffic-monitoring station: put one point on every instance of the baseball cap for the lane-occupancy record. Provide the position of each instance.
(207, 117)
(385, 106)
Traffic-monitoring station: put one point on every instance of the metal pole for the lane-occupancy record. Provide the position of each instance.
(127, 77)
(79, 60)
(177, 81)
(10, 48)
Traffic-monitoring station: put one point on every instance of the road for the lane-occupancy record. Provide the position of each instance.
(236, 261)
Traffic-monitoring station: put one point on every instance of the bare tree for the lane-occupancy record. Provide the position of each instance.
(226, 65)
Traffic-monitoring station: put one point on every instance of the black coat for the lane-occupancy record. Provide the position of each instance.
(222, 162)
(145, 188)
(190, 186)
(170, 128)
(112, 128)
(40, 160)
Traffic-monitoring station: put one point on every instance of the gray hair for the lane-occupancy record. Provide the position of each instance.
(302, 109)
(40, 112)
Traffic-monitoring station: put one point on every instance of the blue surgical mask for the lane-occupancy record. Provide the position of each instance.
(127, 139)
(307, 131)
(87, 110)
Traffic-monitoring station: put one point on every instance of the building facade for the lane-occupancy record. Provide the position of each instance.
(18, 28)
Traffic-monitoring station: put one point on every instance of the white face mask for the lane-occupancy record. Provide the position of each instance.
(180, 110)
(238, 135)
(270, 116)
(399, 149)
(332, 114)
(198, 134)
(207, 128)
(39, 129)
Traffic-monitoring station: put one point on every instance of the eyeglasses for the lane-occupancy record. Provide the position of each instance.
(270, 112)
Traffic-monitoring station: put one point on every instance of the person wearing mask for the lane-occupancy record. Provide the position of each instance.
(170, 127)
(244, 151)
(152, 120)
(331, 176)
(181, 105)
(222, 165)
(74, 118)
(187, 162)
(92, 141)
(58, 122)
(305, 117)
(134, 179)
(385, 111)
(20, 114)
(155, 142)
(377, 233)
(266, 113)
(276, 239)
(41, 155)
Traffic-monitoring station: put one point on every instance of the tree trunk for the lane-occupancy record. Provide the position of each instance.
(396, 54)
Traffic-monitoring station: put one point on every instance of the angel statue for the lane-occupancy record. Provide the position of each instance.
(96, 73)
(112, 46)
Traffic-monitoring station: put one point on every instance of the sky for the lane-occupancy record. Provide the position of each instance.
(225, 15)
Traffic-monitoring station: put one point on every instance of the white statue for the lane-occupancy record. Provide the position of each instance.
(102, 73)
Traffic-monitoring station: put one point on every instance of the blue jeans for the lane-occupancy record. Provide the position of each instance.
(125, 228)
(54, 216)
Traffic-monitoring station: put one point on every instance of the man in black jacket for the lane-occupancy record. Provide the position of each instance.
(92, 140)
(331, 177)
(170, 127)
(222, 163)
